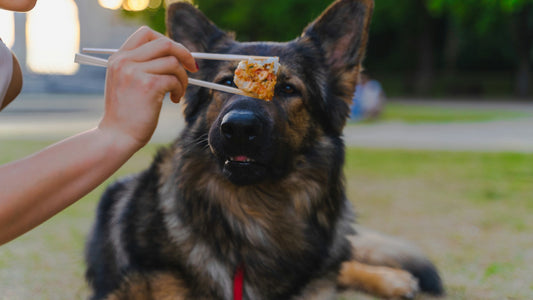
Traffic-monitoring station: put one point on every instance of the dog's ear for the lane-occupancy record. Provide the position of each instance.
(190, 27)
(341, 33)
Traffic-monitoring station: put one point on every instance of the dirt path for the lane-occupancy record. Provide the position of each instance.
(48, 116)
(54, 117)
(504, 135)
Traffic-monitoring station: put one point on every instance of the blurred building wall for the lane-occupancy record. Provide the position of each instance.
(99, 27)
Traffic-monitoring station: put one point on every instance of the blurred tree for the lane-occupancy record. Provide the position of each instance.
(522, 28)
(418, 38)
(278, 20)
(484, 18)
(405, 36)
(153, 17)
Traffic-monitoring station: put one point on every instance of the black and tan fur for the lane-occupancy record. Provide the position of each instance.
(249, 182)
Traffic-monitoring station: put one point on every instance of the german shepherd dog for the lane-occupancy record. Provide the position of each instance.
(249, 201)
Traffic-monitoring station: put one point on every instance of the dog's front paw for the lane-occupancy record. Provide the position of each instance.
(380, 281)
(397, 284)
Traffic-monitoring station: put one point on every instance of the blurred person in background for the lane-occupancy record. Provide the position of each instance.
(146, 68)
(368, 100)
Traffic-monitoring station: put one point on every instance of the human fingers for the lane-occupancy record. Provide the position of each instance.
(134, 99)
(164, 46)
(143, 75)
(148, 44)
(168, 65)
(143, 35)
(169, 83)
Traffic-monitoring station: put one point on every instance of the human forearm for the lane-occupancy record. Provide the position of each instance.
(147, 66)
(37, 187)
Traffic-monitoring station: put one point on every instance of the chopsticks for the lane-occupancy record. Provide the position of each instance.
(90, 60)
(199, 55)
(101, 62)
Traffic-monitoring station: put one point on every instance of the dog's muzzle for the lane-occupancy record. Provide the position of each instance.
(241, 138)
(242, 128)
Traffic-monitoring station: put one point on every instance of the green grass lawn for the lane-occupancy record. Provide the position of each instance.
(470, 212)
(420, 113)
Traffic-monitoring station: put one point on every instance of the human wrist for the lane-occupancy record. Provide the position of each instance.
(119, 141)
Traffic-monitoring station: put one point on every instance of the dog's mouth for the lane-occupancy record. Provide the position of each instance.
(242, 140)
(240, 159)
(244, 170)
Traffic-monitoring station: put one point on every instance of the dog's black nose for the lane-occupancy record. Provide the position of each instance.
(241, 127)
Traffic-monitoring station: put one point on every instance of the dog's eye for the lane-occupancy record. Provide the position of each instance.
(227, 81)
(288, 89)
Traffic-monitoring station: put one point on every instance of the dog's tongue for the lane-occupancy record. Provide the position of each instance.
(240, 158)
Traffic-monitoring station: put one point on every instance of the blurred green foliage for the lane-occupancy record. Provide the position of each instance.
(422, 41)
(153, 17)
(278, 20)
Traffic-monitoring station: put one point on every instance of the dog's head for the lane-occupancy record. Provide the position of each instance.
(254, 140)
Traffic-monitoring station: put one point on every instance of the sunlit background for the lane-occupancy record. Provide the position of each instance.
(449, 72)
(52, 41)
(131, 5)
(7, 30)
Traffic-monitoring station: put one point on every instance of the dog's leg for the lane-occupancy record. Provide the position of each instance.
(161, 286)
(373, 248)
(377, 280)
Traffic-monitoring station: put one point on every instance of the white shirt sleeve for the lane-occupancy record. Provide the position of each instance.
(6, 70)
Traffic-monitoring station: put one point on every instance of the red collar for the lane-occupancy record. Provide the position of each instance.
(238, 280)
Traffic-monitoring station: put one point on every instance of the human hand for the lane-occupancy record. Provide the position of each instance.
(146, 67)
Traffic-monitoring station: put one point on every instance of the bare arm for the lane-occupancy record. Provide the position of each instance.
(37, 187)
